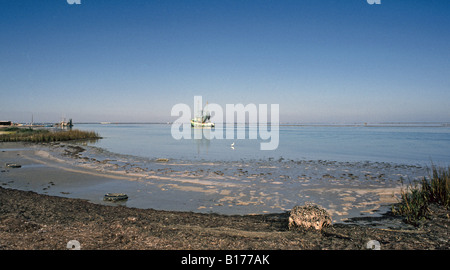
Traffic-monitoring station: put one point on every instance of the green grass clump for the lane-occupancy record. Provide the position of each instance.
(415, 200)
(44, 135)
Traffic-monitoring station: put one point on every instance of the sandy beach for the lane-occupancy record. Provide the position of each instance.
(56, 196)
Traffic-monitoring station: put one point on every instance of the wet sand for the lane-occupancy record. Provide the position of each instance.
(57, 196)
(345, 189)
(40, 222)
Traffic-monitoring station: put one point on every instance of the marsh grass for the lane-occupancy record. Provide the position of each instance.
(45, 135)
(416, 198)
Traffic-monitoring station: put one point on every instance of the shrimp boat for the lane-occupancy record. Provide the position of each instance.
(64, 124)
(203, 119)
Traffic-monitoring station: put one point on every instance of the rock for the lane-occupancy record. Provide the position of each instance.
(309, 216)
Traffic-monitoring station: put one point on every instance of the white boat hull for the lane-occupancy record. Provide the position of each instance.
(199, 124)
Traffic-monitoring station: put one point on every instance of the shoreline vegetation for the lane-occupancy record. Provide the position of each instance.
(15, 134)
(416, 199)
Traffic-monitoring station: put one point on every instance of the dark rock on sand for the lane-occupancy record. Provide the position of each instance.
(309, 216)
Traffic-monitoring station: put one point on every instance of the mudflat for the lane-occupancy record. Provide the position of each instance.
(34, 221)
(37, 213)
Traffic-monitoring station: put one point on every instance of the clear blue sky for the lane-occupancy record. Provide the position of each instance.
(320, 60)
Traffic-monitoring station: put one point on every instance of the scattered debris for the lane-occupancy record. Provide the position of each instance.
(13, 165)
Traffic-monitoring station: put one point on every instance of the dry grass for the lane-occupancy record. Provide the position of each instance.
(45, 135)
(415, 200)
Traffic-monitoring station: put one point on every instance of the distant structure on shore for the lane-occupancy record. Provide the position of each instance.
(64, 124)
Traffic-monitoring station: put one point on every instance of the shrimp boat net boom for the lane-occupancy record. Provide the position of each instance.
(203, 119)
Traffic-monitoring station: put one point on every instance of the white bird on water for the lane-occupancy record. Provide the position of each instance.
(232, 146)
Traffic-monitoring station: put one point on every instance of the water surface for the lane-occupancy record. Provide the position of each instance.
(406, 145)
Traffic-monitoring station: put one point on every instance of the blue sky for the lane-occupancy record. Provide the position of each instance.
(328, 61)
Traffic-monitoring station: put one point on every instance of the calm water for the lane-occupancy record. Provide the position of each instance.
(408, 145)
(325, 165)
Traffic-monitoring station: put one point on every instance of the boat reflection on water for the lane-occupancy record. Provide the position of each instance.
(202, 138)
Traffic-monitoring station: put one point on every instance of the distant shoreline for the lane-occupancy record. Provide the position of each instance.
(357, 124)
(382, 124)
